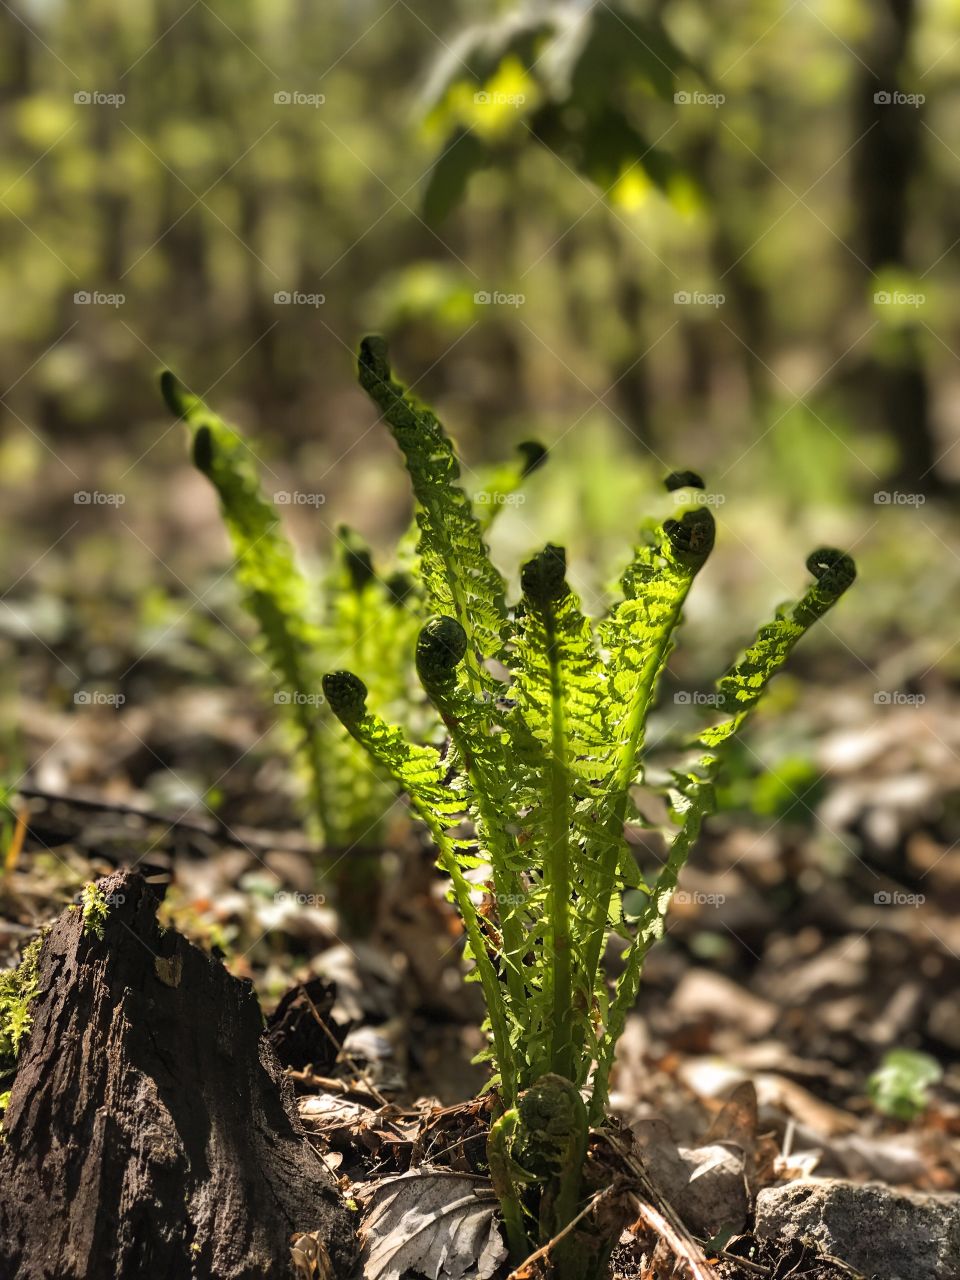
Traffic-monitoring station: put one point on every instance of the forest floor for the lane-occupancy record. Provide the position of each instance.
(817, 931)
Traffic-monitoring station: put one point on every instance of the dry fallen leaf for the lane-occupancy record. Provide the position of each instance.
(432, 1223)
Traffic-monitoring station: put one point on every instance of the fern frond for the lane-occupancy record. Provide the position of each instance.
(693, 797)
(272, 587)
(460, 580)
(500, 486)
(421, 772)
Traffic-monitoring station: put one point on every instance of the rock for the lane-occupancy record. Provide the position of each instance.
(893, 1235)
(706, 1185)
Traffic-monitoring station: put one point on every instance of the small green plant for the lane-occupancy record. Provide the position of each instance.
(17, 988)
(900, 1086)
(529, 798)
(95, 908)
(305, 628)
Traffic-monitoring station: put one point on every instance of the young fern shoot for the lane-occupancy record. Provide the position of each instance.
(545, 719)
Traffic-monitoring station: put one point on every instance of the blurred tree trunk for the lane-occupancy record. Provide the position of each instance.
(885, 163)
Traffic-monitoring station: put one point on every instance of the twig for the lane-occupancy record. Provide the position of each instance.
(244, 836)
(16, 842)
(757, 1268)
(351, 1063)
(517, 1272)
(683, 1245)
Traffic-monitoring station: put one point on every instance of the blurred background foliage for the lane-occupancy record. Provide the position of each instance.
(653, 234)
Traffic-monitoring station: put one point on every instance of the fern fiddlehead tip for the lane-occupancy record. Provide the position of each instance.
(543, 578)
(357, 557)
(173, 392)
(399, 587)
(373, 363)
(203, 449)
(533, 454)
(441, 647)
(683, 480)
(346, 694)
(834, 570)
(693, 534)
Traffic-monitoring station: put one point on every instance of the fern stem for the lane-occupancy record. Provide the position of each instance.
(506, 883)
(558, 866)
(492, 991)
(624, 775)
(649, 930)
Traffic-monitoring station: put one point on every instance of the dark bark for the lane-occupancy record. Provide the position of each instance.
(885, 163)
(150, 1131)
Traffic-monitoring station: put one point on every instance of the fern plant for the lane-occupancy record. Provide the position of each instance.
(304, 628)
(529, 796)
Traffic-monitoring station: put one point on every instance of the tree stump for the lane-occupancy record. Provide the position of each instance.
(150, 1131)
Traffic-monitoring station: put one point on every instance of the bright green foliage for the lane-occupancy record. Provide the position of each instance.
(17, 988)
(900, 1086)
(529, 804)
(560, 76)
(365, 617)
(355, 614)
